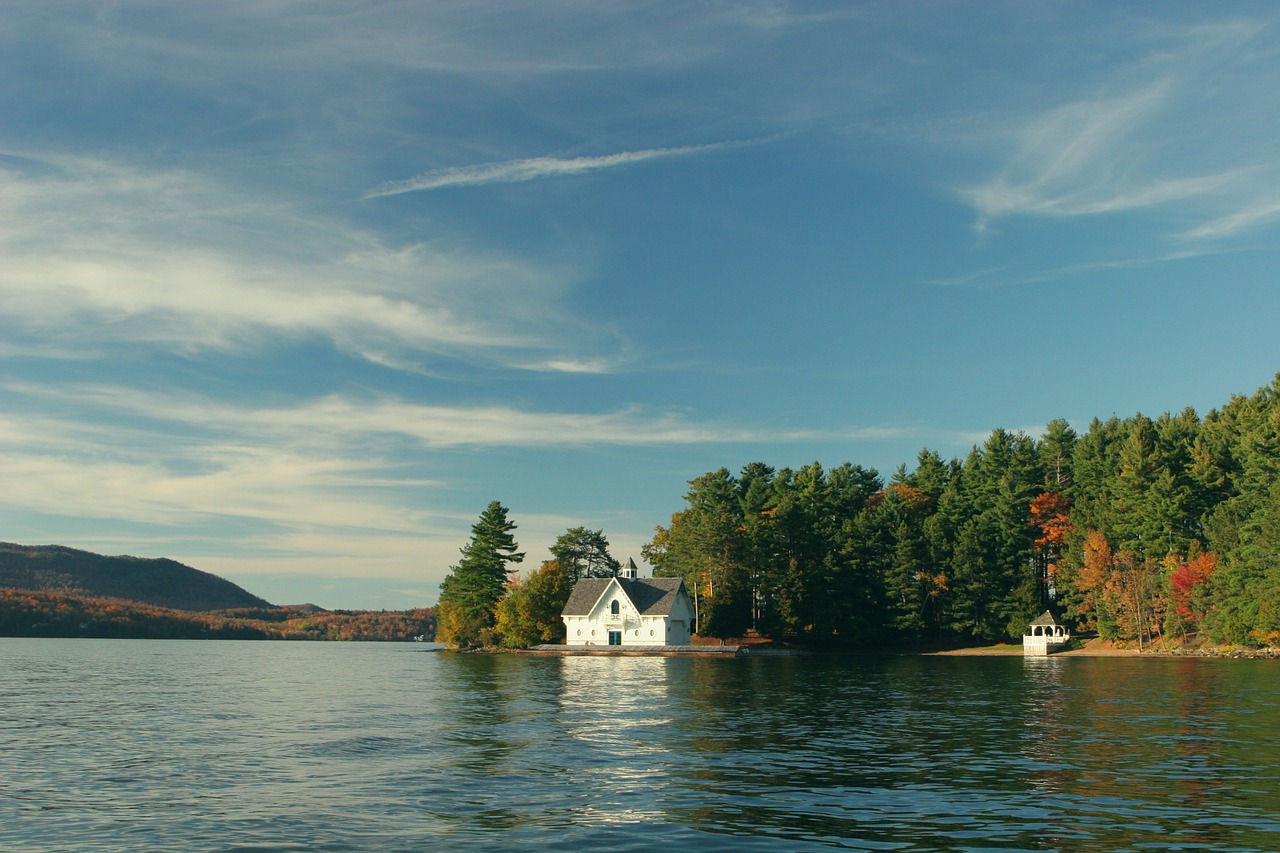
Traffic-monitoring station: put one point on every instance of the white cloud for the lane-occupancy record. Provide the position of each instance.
(1173, 126)
(1253, 216)
(324, 487)
(1079, 159)
(306, 470)
(250, 483)
(340, 420)
(98, 254)
(515, 171)
(1005, 277)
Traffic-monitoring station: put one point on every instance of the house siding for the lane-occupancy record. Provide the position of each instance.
(637, 629)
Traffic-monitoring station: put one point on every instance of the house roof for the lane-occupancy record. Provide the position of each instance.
(1045, 618)
(650, 596)
(653, 596)
(584, 596)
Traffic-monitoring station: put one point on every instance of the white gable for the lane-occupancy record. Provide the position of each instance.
(664, 617)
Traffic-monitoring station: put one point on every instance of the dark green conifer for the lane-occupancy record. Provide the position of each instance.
(470, 593)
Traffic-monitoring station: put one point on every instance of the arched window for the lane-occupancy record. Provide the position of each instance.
(613, 608)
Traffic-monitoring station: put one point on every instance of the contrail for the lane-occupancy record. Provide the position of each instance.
(513, 171)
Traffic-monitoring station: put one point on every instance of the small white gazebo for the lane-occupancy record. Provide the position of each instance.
(1046, 636)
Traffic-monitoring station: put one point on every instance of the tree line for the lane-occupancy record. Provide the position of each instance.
(1140, 529)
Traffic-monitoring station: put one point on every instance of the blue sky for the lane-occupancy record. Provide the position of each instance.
(289, 291)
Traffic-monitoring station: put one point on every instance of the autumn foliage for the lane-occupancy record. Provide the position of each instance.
(47, 613)
(1187, 579)
(1050, 519)
(1125, 596)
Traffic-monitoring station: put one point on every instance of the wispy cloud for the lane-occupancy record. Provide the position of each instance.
(309, 486)
(1171, 128)
(1079, 159)
(1253, 216)
(1007, 277)
(342, 421)
(336, 463)
(515, 171)
(99, 254)
(975, 278)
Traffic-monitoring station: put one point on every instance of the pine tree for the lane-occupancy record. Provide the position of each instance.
(584, 553)
(473, 588)
(1055, 449)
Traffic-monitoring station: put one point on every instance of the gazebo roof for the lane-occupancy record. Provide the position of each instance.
(1045, 619)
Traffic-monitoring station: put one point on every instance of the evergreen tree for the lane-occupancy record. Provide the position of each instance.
(757, 497)
(471, 591)
(932, 475)
(716, 515)
(806, 577)
(971, 549)
(1094, 468)
(857, 591)
(584, 553)
(704, 545)
(993, 552)
(911, 580)
(1056, 448)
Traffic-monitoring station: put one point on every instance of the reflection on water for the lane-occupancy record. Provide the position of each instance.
(277, 746)
(1143, 749)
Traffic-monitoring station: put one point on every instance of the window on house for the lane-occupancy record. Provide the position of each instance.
(613, 608)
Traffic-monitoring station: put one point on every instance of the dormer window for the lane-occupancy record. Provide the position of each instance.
(613, 608)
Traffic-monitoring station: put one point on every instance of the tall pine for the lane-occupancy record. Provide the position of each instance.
(470, 593)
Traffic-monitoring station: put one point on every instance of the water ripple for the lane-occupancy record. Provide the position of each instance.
(225, 746)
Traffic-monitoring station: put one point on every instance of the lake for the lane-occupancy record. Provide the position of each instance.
(276, 746)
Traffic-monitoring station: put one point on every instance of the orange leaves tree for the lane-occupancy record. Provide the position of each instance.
(1126, 597)
(1052, 525)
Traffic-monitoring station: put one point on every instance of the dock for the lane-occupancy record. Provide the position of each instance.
(659, 651)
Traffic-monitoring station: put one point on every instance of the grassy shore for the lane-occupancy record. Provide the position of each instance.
(1098, 648)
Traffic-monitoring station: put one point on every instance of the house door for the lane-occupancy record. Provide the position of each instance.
(615, 638)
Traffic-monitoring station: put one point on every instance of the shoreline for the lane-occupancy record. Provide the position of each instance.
(1096, 648)
(1091, 648)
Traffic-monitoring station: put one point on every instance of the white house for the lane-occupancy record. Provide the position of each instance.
(628, 611)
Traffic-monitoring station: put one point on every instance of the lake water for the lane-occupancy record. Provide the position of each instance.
(273, 746)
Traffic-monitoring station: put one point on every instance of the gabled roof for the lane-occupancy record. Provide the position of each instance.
(653, 596)
(650, 596)
(584, 596)
(1045, 618)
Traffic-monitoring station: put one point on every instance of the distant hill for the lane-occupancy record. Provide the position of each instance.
(159, 582)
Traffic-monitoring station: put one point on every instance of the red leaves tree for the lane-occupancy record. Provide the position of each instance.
(1186, 584)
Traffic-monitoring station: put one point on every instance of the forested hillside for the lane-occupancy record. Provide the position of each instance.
(162, 583)
(1139, 528)
(45, 613)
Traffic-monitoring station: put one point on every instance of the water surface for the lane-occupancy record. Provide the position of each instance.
(273, 746)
